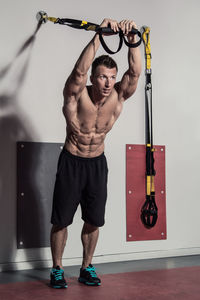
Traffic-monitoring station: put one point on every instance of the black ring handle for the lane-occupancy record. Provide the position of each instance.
(106, 47)
(108, 30)
(149, 213)
(135, 44)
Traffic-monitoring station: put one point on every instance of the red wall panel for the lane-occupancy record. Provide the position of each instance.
(136, 191)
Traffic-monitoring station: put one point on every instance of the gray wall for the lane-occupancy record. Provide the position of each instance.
(31, 110)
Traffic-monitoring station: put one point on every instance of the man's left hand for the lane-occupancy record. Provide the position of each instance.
(126, 26)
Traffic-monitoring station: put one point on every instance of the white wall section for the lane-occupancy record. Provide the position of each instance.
(31, 110)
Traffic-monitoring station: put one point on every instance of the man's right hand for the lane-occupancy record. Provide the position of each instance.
(113, 24)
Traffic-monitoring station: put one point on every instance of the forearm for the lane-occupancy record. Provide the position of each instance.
(87, 56)
(78, 78)
(134, 60)
(134, 56)
(129, 81)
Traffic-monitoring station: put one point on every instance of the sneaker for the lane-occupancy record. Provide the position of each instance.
(88, 276)
(57, 278)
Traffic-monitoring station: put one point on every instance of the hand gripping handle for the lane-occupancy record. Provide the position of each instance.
(108, 30)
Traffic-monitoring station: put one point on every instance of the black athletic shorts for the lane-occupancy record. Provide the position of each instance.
(81, 181)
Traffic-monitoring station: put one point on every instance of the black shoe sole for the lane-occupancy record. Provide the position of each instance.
(54, 286)
(84, 281)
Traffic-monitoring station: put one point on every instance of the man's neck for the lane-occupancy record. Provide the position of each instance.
(97, 99)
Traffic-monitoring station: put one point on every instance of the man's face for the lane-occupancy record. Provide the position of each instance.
(104, 80)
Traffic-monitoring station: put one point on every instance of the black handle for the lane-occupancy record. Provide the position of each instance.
(109, 30)
(106, 47)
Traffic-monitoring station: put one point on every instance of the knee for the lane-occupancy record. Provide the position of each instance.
(90, 228)
(56, 228)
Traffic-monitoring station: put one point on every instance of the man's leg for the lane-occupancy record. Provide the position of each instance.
(58, 242)
(89, 237)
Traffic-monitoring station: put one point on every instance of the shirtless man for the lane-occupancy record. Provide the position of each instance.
(90, 112)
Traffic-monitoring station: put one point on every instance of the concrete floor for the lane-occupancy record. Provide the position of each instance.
(105, 268)
(175, 278)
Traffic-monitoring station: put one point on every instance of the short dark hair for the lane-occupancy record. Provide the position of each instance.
(103, 60)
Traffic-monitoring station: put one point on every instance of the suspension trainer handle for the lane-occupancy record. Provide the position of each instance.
(108, 30)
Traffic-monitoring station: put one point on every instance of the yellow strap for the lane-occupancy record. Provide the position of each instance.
(148, 187)
(83, 23)
(152, 184)
(146, 40)
(91, 27)
(52, 19)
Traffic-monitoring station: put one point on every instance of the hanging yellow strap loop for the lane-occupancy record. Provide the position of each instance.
(146, 40)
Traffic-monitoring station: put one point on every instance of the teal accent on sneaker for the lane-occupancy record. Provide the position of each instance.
(88, 276)
(57, 278)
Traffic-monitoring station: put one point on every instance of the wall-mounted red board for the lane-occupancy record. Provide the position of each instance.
(136, 191)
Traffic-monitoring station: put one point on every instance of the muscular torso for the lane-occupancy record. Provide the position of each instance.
(88, 123)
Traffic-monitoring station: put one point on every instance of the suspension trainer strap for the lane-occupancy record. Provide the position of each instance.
(78, 24)
(92, 27)
(101, 30)
(149, 212)
(82, 24)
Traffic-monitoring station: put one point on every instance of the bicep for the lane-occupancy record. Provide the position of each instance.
(127, 86)
(75, 84)
(69, 107)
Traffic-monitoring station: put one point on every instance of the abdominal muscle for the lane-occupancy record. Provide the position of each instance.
(85, 141)
(85, 145)
(87, 125)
